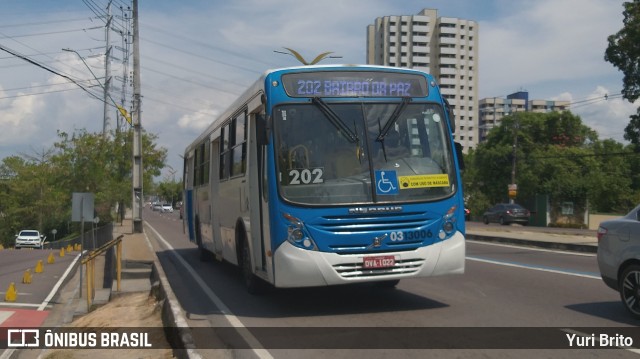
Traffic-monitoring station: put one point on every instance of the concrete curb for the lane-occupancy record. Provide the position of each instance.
(571, 247)
(177, 331)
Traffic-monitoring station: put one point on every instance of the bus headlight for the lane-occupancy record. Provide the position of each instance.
(448, 227)
(296, 233)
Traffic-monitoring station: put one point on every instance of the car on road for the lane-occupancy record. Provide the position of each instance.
(507, 213)
(167, 207)
(29, 238)
(619, 258)
(157, 207)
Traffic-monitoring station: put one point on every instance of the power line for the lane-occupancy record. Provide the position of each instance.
(45, 85)
(189, 81)
(14, 53)
(203, 57)
(206, 45)
(611, 154)
(45, 22)
(243, 86)
(53, 32)
(41, 93)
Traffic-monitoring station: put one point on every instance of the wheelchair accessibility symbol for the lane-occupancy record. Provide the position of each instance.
(386, 182)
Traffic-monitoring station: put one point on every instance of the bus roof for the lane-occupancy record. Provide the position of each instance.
(257, 88)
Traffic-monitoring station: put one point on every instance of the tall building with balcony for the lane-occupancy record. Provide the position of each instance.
(493, 109)
(445, 47)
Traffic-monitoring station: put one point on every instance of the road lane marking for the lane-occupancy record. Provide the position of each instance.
(256, 346)
(55, 288)
(538, 268)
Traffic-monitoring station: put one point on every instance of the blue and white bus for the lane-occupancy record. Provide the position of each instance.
(327, 175)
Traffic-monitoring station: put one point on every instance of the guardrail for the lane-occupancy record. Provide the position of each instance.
(89, 262)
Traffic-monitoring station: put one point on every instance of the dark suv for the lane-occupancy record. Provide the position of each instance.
(507, 213)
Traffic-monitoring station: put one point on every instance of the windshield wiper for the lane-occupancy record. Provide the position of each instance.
(394, 116)
(335, 120)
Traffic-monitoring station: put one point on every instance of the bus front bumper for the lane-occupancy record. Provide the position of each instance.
(296, 267)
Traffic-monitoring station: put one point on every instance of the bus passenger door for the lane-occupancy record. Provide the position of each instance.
(214, 180)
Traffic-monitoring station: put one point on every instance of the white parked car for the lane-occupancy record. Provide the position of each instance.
(619, 258)
(29, 238)
(167, 207)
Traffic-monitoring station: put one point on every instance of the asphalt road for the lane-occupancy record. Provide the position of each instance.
(14, 263)
(508, 298)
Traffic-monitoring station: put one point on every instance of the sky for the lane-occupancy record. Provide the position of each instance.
(197, 56)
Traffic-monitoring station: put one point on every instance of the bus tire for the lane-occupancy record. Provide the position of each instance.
(254, 284)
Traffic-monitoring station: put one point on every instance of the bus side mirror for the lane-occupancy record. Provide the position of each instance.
(452, 117)
(459, 155)
(262, 130)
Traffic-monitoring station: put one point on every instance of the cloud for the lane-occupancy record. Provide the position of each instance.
(603, 111)
(547, 41)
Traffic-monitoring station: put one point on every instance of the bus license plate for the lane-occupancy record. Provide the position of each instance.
(379, 262)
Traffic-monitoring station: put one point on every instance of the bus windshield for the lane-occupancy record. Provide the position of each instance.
(362, 152)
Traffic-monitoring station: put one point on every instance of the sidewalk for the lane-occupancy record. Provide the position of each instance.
(542, 237)
(137, 258)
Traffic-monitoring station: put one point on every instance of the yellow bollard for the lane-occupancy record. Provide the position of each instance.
(62, 252)
(26, 278)
(51, 259)
(39, 267)
(11, 295)
(76, 247)
(1, 247)
(69, 248)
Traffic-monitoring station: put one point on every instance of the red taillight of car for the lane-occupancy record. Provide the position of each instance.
(601, 233)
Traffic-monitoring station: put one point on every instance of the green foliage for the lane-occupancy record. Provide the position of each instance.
(623, 52)
(35, 192)
(556, 155)
(170, 191)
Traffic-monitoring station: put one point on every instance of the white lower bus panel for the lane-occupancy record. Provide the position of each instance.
(296, 267)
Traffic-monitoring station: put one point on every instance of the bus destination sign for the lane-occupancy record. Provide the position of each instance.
(354, 84)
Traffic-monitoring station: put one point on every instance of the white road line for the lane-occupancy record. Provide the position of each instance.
(231, 318)
(542, 269)
(53, 292)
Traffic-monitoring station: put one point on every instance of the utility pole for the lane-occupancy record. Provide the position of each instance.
(107, 72)
(137, 127)
(125, 61)
(513, 187)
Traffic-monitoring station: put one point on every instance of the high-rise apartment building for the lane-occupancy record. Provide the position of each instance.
(445, 47)
(493, 109)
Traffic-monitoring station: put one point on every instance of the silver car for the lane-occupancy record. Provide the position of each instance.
(619, 258)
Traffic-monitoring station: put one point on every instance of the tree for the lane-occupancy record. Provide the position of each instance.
(557, 155)
(623, 52)
(36, 191)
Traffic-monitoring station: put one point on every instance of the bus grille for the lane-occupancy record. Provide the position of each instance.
(355, 269)
(354, 234)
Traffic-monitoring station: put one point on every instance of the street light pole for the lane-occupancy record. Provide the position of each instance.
(514, 187)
